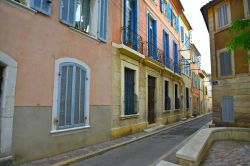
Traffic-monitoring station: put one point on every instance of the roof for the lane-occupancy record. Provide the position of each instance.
(186, 21)
(204, 9)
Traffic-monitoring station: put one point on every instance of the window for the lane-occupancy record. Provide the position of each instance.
(187, 98)
(71, 95)
(43, 6)
(185, 67)
(173, 16)
(187, 41)
(176, 96)
(166, 96)
(129, 89)
(248, 7)
(176, 58)
(152, 37)
(227, 106)
(81, 14)
(130, 96)
(225, 62)
(222, 14)
(166, 49)
(169, 12)
(130, 23)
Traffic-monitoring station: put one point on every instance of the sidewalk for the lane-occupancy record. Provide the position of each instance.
(88, 152)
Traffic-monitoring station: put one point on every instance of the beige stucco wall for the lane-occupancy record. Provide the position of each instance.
(236, 86)
(124, 125)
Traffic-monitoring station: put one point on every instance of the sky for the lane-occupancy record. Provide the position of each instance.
(200, 37)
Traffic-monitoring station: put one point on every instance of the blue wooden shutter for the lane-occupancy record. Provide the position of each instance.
(67, 12)
(161, 5)
(149, 37)
(103, 20)
(177, 24)
(43, 6)
(155, 39)
(227, 108)
(134, 25)
(169, 11)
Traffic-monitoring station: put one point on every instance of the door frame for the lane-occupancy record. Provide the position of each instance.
(152, 73)
(7, 106)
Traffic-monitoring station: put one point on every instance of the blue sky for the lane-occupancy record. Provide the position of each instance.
(200, 35)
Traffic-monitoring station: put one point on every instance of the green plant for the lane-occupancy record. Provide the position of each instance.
(242, 39)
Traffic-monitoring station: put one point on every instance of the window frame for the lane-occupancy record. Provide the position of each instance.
(228, 16)
(55, 114)
(166, 80)
(219, 67)
(155, 38)
(246, 9)
(134, 67)
(178, 94)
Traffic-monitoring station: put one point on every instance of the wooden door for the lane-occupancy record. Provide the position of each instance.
(151, 100)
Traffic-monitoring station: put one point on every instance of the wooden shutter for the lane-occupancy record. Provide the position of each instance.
(169, 11)
(182, 34)
(67, 12)
(225, 64)
(155, 40)
(71, 96)
(103, 20)
(43, 6)
(177, 24)
(248, 2)
(227, 109)
(129, 91)
(134, 25)
(161, 6)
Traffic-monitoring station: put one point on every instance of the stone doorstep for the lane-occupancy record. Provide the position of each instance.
(6, 161)
(88, 152)
(154, 128)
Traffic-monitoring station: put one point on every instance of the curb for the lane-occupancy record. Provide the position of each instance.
(98, 152)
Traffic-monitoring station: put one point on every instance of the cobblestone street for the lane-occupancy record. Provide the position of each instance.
(229, 153)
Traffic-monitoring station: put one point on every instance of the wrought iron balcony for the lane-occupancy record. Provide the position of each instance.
(132, 39)
(177, 68)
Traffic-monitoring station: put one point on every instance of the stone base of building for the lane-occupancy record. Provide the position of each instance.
(169, 119)
(6, 161)
(126, 130)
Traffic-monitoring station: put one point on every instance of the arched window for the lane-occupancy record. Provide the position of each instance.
(72, 95)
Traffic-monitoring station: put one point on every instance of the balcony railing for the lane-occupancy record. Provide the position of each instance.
(132, 39)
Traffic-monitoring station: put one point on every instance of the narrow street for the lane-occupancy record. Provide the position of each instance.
(148, 150)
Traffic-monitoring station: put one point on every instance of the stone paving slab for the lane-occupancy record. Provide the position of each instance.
(228, 153)
(90, 151)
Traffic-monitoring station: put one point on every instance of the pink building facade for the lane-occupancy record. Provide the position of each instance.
(47, 57)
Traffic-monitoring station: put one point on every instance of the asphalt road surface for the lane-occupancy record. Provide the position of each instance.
(149, 150)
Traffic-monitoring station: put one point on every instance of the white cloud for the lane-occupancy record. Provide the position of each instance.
(200, 35)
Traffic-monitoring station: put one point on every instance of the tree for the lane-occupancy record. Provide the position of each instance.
(242, 39)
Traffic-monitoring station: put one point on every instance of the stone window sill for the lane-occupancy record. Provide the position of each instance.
(68, 131)
(84, 33)
(123, 117)
(20, 6)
